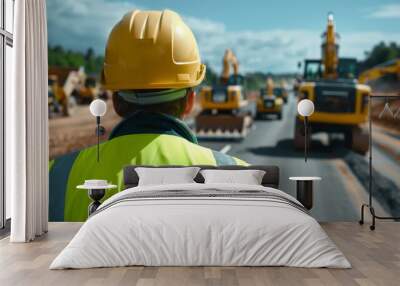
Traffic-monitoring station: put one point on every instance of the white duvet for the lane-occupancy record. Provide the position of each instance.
(200, 231)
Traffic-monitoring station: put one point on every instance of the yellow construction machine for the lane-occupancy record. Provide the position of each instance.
(63, 83)
(59, 102)
(270, 100)
(226, 113)
(87, 90)
(388, 68)
(340, 101)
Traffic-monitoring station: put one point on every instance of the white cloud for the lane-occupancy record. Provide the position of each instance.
(387, 11)
(82, 24)
(204, 25)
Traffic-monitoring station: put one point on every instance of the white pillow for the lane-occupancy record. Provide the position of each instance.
(247, 177)
(166, 176)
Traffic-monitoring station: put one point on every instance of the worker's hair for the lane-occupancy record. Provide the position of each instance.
(174, 108)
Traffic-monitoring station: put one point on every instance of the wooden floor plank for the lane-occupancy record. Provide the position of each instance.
(375, 257)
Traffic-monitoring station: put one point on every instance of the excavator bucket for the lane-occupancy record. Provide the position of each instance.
(220, 126)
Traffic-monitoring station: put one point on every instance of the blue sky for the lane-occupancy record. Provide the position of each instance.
(269, 36)
(352, 15)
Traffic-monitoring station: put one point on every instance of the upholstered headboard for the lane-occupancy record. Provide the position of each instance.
(270, 179)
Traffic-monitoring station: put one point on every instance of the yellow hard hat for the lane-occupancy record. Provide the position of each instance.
(151, 50)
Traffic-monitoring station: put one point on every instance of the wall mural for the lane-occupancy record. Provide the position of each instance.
(245, 108)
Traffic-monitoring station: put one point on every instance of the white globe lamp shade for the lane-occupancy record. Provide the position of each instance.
(305, 107)
(98, 107)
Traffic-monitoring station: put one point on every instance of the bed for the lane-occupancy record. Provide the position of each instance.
(201, 224)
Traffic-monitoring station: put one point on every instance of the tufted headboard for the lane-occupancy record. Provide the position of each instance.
(270, 179)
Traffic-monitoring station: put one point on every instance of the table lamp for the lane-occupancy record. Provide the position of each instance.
(98, 108)
(305, 108)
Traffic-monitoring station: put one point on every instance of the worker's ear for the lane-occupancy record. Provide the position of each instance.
(190, 100)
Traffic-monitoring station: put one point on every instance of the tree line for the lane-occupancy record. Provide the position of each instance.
(380, 53)
(59, 57)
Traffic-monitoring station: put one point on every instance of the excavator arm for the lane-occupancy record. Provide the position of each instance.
(228, 61)
(391, 67)
(269, 86)
(330, 50)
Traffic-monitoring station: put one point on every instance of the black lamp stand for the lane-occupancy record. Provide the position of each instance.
(96, 195)
(305, 138)
(100, 131)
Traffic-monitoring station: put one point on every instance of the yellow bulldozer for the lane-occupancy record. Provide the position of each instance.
(340, 101)
(226, 112)
(270, 100)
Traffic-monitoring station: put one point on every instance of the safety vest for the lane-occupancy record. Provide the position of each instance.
(142, 139)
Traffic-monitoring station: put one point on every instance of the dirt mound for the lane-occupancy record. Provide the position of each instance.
(76, 132)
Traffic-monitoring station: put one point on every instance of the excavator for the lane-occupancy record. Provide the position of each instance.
(226, 112)
(269, 101)
(391, 67)
(340, 101)
(59, 102)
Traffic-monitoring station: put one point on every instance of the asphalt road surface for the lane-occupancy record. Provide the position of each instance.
(342, 190)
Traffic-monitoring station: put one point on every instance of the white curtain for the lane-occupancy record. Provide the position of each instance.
(27, 124)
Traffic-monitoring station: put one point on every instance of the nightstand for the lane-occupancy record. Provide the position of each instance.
(96, 191)
(304, 190)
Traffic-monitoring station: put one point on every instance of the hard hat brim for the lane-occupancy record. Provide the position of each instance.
(166, 85)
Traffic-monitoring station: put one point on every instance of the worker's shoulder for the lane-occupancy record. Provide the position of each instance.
(221, 158)
(63, 162)
(70, 157)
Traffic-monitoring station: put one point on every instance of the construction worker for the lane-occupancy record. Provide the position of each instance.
(151, 64)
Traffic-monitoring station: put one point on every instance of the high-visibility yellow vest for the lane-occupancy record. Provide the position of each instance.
(142, 139)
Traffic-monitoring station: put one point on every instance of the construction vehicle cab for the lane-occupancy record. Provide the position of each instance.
(346, 69)
(312, 70)
(229, 97)
(226, 113)
(340, 101)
